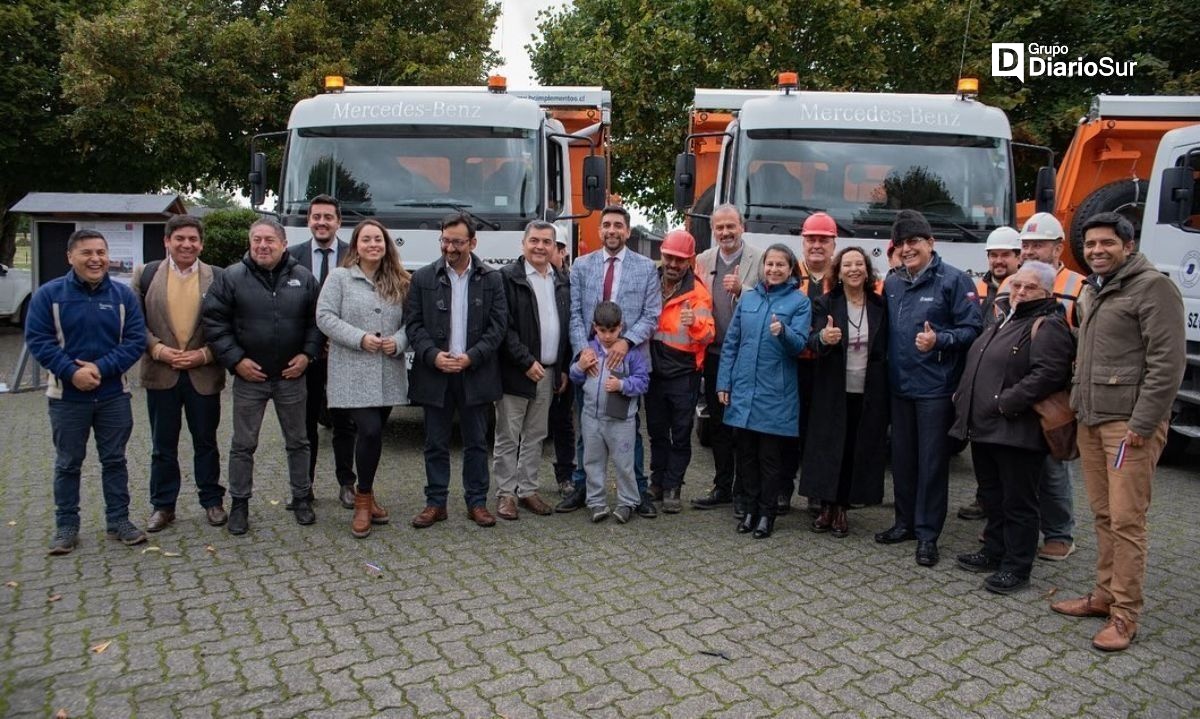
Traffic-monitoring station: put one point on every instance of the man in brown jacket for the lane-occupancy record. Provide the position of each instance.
(1128, 368)
(180, 373)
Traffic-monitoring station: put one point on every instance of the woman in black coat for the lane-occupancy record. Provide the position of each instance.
(1009, 368)
(846, 448)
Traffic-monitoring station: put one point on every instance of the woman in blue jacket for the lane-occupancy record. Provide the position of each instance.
(757, 382)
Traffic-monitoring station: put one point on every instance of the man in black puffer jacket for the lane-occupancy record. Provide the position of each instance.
(260, 318)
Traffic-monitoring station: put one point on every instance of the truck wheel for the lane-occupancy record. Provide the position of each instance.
(1176, 447)
(701, 227)
(1125, 197)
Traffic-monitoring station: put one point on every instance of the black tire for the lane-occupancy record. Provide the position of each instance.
(1125, 197)
(701, 227)
(1175, 449)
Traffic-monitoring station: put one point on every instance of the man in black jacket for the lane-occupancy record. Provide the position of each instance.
(533, 360)
(319, 255)
(456, 318)
(260, 319)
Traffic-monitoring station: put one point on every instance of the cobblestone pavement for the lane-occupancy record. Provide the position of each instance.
(550, 616)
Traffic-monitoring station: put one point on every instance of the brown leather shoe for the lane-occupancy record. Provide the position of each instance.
(506, 508)
(1086, 606)
(428, 516)
(824, 520)
(841, 525)
(379, 515)
(216, 515)
(1116, 635)
(159, 520)
(360, 523)
(481, 516)
(535, 504)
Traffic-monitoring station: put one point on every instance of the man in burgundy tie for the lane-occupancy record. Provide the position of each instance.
(618, 274)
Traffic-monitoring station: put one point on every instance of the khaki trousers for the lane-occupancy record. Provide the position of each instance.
(1120, 497)
(520, 430)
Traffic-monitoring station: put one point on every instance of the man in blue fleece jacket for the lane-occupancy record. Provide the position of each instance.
(87, 331)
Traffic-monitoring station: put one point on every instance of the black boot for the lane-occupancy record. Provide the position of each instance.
(747, 524)
(239, 516)
(575, 500)
(765, 526)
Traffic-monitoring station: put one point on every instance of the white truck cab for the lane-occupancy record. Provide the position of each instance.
(1171, 240)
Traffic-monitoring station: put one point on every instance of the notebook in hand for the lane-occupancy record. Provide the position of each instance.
(616, 405)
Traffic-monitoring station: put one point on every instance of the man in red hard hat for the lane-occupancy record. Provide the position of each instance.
(685, 329)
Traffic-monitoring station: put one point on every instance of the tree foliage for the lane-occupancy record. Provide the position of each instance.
(136, 95)
(226, 235)
(652, 55)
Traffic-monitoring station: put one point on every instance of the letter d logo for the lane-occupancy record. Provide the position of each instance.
(1008, 60)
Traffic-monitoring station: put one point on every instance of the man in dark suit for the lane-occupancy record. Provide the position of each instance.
(319, 255)
(180, 373)
(456, 317)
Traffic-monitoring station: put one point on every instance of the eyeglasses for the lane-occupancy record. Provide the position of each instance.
(1024, 286)
(457, 244)
(910, 241)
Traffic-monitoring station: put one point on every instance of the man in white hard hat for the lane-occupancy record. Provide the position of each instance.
(1003, 249)
(1042, 239)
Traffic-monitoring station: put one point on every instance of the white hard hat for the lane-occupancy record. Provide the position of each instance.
(1042, 226)
(1003, 238)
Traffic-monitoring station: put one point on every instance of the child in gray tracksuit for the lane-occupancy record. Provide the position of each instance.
(608, 413)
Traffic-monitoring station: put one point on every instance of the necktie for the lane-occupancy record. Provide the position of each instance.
(324, 264)
(608, 278)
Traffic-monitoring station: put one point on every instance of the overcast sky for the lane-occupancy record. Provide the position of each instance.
(514, 29)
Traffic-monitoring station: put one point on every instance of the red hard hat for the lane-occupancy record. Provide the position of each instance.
(679, 243)
(819, 223)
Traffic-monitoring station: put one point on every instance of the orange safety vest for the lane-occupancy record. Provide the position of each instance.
(699, 336)
(1068, 284)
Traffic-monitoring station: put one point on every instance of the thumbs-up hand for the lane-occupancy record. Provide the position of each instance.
(926, 338)
(732, 282)
(776, 326)
(687, 317)
(831, 334)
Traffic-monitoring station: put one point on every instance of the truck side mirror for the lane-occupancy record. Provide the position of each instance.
(595, 185)
(685, 180)
(258, 178)
(1175, 195)
(1044, 190)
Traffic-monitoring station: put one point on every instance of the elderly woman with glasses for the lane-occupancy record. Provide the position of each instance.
(1015, 362)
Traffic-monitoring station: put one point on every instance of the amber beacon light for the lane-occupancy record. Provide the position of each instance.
(788, 81)
(968, 87)
(334, 83)
(497, 83)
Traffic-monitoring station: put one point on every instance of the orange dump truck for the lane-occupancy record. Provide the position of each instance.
(1107, 166)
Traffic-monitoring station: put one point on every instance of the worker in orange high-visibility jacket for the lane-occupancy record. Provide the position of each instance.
(685, 330)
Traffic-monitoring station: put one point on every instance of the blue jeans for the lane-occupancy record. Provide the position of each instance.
(472, 422)
(203, 413)
(921, 463)
(70, 424)
(579, 476)
(1056, 503)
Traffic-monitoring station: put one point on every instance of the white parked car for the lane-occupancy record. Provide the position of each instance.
(15, 291)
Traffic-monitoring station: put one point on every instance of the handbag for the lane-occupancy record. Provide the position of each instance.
(1057, 418)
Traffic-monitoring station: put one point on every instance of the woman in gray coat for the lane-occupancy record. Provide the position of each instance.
(361, 311)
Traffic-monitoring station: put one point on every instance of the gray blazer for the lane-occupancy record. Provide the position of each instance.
(347, 310)
(749, 269)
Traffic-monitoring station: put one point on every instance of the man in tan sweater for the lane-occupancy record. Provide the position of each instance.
(179, 373)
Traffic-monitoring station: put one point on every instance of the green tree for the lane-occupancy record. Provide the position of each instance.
(226, 235)
(135, 95)
(652, 54)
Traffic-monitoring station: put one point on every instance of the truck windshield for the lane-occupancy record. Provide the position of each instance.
(415, 170)
(863, 178)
